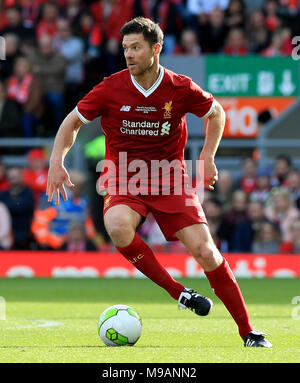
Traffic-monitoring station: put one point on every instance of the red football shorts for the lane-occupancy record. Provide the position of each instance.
(171, 212)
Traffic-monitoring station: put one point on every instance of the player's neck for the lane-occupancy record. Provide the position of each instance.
(147, 79)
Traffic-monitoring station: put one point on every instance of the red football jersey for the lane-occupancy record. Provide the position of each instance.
(145, 125)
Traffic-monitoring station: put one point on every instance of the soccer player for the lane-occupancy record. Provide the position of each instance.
(143, 112)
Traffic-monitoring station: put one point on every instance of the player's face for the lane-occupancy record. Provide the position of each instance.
(138, 53)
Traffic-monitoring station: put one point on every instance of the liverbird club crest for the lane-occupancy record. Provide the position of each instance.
(167, 108)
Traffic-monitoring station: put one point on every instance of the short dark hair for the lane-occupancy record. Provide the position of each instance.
(150, 30)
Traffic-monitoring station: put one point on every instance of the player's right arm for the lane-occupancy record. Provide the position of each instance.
(64, 140)
(88, 108)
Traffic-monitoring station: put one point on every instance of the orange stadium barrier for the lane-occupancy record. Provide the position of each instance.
(108, 265)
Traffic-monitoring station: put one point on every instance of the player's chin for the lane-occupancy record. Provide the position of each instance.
(133, 69)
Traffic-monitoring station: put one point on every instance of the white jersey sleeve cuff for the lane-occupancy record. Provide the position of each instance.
(80, 116)
(210, 109)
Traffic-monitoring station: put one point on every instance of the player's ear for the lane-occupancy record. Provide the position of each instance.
(157, 49)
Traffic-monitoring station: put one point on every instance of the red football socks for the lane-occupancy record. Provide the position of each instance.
(143, 258)
(221, 280)
(227, 289)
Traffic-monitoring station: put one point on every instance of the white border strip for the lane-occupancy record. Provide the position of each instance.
(210, 109)
(80, 116)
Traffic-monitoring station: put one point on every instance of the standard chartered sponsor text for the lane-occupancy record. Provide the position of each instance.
(140, 124)
(141, 132)
(143, 128)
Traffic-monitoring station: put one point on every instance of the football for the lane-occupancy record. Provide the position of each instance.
(120, 325)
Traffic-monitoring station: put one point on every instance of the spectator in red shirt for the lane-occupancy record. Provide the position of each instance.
(287, 46)
(48, 23)
(188, 44)
(91, 34)
(247, 182)
(35, 175)
(30, 12)
(275, 48)
(236, 43)
(280, 44)
(111, 16)
(15, 25)
(3, 18)
(26, 89)
(272, 21)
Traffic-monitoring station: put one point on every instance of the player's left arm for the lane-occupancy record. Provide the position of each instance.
(214, 131)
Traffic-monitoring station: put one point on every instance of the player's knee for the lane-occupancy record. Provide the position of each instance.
(120, 232)
(204, 253)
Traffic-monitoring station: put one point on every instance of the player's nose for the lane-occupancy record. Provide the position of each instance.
(129, 54)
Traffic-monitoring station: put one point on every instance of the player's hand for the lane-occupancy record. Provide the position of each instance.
(57, 177)
(208, 172)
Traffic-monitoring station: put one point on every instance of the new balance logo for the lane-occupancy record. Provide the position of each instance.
(125, 108)
(165, 128)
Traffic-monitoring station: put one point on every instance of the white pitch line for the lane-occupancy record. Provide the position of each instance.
(39, 323)
(44, 323)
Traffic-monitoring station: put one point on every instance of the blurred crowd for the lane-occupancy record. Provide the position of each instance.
(259, 212)
(29, 221)
(56, 51)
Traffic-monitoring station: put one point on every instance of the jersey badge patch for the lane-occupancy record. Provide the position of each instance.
(167, 107)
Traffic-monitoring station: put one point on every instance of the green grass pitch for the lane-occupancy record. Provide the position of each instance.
(55, 320)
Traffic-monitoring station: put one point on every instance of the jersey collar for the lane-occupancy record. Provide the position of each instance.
(149, 91)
